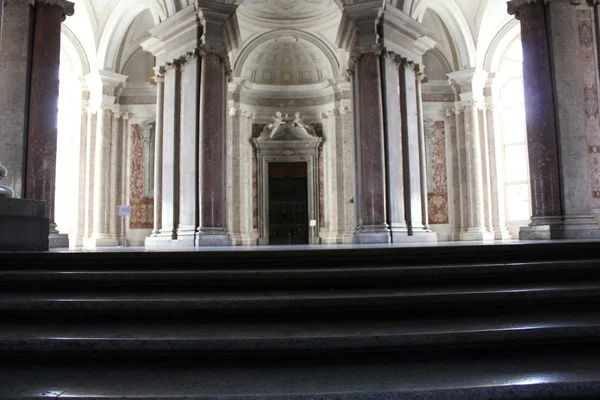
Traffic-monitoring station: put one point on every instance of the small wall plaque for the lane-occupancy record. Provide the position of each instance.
(125, 211)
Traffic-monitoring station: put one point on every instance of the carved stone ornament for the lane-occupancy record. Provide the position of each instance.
(285, 128)
(5, 191)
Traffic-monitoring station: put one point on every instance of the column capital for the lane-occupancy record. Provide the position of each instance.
(67, 6)
(220, 31)
(468, 84)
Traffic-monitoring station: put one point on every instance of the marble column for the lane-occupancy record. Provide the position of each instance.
(239, 172)
(329, 230)
(170, 155)
(493, 113)
(43, 109)
(79, 222)
(411, 147)
(211, 187)
(394, 136)
(555, 111)
(420, 78)
(15, 69)
(188, 150)
(453, 116)
(158, 147)
(372, 197)
(470, 88)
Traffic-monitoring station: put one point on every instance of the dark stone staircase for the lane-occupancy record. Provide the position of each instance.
(513, 321)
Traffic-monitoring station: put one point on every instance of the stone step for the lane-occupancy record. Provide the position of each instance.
(332, 334)
(416, 299)
(74, 275)
(541, 373)
(318, 257)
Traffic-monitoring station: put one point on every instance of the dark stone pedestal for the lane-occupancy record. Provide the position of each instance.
(23, 226)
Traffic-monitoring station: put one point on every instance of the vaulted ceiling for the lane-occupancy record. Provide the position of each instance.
(108, 32)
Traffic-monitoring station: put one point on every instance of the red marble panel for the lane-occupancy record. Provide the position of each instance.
(437, 199)
(142, 208)
(587, 55)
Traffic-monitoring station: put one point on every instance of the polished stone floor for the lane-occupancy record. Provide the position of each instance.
(318, 246)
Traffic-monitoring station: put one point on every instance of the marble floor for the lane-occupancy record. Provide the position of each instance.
(137, 249)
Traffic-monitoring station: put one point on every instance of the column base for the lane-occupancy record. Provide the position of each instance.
(58, 240)
(549, 232)
(212, 237)
(571, 226)
(186, 236)
(457, 235)
(243, 239)
(337, 238)
(477, 234)
(502, 234)
(100, 241)
(372, 234)
(159, 242)
(416, 237)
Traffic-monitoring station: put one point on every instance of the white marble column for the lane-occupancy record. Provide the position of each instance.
(470, 83)
(102, 158)
(78, 230)
(328, 233)
(239, 172)
(420, 77)
(170, 155)
(493, 112)
(158, 148)
(395, 159)
(411, 147)
(188, 150)
(455, 184)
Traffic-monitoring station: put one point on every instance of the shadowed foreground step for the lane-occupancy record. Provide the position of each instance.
(481, 322)
(493, 374)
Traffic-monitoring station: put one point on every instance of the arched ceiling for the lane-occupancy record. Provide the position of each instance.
(286, 60)
(465, 30)
(281, 10)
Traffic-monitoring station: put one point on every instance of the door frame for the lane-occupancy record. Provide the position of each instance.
(283, 151)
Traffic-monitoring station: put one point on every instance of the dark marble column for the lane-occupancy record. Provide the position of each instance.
(15, 66)
(211, 188)
(43, 106)
(541, 121)
(373, 227)
(556, 115)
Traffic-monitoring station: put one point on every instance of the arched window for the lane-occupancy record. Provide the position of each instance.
(514, 135)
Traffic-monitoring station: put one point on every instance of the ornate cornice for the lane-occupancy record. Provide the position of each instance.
(514, 5)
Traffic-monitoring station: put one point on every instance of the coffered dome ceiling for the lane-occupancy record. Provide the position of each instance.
(287, 9)
(286, 60)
